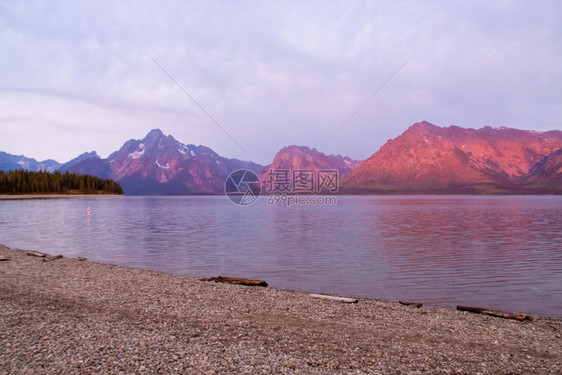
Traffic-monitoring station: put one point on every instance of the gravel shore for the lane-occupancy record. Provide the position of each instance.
(70, 316)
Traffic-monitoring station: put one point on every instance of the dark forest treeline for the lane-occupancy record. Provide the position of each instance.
(25, 182)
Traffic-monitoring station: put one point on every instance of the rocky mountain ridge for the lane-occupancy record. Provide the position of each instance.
(427, 159)
(159, 164)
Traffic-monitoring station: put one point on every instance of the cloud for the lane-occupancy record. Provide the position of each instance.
(271, 73)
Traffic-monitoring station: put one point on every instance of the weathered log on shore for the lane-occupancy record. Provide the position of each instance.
(46, 257)
(496, 313)
(52, 257)
(3, 258)
(337, 299)
(414, 304)
(236, 280)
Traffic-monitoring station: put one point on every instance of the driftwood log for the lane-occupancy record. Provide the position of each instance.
(496, 313)
(236, 280)
(52, 257)
(3, 258)
(417, 305)
(337, 299)
(46, 257)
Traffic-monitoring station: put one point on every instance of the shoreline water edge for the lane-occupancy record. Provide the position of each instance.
(8, 197)
(65, 315)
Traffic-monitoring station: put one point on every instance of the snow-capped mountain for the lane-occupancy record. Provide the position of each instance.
(9, 162)
(159, 164)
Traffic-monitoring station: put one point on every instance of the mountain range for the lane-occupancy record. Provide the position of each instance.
(9, 162)
(425, 159)
(159, 164)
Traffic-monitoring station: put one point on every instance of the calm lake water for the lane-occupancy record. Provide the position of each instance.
(496, 252)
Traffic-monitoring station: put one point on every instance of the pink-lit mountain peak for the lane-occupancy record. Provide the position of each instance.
(430, 159)
(159, 164)
(304, 158)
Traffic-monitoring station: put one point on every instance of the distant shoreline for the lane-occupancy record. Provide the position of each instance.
(53, 196)
(409, 196)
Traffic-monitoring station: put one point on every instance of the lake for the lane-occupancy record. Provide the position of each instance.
(487, 251)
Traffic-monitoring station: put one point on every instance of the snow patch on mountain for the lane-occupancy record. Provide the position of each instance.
(138, 153)
(167, 166)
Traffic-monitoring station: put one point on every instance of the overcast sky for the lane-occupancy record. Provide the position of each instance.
(78, 76)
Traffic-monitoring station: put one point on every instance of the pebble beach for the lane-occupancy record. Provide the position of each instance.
(73, 316)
